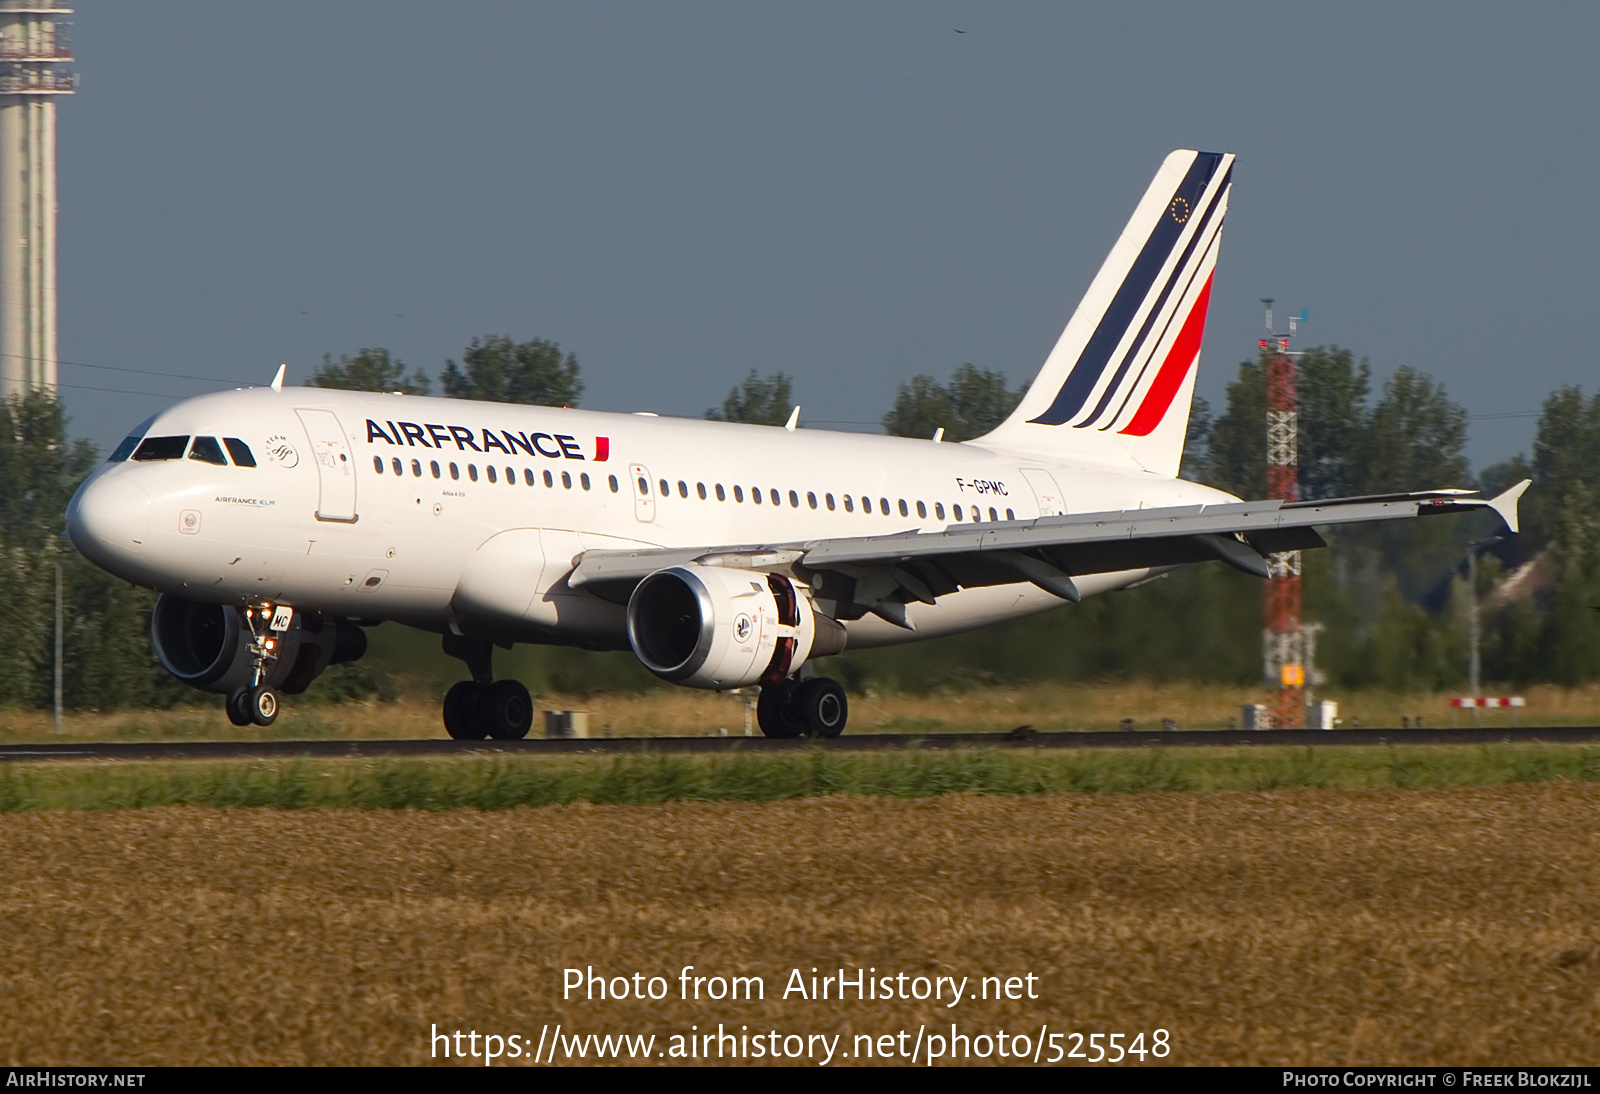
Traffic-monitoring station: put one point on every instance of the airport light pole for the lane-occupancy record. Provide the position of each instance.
(1474, 661)
(58, 651)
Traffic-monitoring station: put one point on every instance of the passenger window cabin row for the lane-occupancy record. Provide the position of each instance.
(491, 473)
(846, 501)
(772, 496)
(208, 450)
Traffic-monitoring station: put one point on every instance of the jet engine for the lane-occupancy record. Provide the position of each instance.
(714, 627)
(207, 646)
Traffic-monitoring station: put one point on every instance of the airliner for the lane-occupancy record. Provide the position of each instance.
(276, 523)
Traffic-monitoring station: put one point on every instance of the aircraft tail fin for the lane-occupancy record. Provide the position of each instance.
(1118, 385)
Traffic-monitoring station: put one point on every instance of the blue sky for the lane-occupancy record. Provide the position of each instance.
(852, 193)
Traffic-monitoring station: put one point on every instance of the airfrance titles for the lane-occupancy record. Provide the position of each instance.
(555, 446)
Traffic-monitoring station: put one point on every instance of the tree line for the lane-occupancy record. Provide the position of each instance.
(1391, 599)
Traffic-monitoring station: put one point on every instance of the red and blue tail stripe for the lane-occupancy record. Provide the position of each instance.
(1190, 218)
(1116, 388)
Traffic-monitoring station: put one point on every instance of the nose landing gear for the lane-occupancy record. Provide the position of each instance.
(257, 704)
(484, 707)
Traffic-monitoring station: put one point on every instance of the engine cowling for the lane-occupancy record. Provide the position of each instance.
(714, 627)
(207, 646)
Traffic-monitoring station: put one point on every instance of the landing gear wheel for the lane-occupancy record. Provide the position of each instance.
(238, 705)
(263, 705)
(772, 711)
(462, 719)
(819, 707)
(507, 710)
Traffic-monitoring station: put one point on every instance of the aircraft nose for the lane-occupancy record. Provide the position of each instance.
(109, 515)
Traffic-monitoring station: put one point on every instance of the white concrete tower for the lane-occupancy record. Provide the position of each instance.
(35, 67)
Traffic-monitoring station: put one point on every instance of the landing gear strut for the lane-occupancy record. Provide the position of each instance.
(483, 706)
(803, 708)
(257, 704)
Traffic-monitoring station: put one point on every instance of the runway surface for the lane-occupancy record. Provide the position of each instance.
(1023, 738)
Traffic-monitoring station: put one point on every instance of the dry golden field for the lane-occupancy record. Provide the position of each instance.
(676, 711)
(1305, 927)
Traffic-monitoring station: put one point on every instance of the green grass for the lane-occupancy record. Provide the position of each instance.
(485, 782)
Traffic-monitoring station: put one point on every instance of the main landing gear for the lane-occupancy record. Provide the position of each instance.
(483, 706)
(257, 704)
(803, 708)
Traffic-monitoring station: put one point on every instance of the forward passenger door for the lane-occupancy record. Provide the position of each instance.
(336, 469)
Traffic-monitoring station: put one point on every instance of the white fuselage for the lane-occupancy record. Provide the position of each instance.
(345, 511)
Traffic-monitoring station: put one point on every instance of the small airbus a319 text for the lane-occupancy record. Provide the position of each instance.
(276, 523)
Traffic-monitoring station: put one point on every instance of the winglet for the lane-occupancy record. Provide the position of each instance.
(794, 419)
(277, 381)
(1505, 503)
(938, 435)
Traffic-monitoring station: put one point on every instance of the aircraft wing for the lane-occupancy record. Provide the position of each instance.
(880, 574)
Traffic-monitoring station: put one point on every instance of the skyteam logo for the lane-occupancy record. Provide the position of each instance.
(281, 452)
(1148, 337)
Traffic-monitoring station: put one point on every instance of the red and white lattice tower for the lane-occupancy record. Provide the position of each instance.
(1282, 639)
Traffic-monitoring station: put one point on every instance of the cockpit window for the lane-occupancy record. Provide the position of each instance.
(161, 448)
(125, 449)
(207, 450)
(130, 442)
(240, 452)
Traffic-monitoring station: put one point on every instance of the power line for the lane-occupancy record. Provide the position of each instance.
(139, 371)
(150, 372)
(125, 391)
